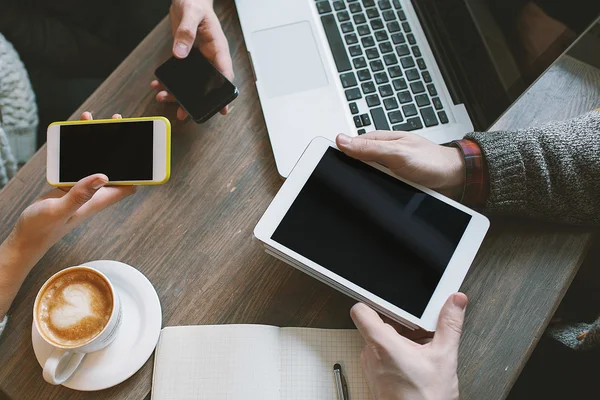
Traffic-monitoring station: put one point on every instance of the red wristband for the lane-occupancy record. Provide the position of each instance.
(476, 188)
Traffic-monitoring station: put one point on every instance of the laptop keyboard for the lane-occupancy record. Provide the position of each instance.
(379, 61)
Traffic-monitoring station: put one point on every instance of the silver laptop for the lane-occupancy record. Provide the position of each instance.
(438, 68)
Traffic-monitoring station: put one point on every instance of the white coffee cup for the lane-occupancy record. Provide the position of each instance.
(77, 311)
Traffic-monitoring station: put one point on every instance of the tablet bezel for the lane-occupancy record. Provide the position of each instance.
(452, 277)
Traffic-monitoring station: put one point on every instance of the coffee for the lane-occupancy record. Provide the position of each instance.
(74, 307)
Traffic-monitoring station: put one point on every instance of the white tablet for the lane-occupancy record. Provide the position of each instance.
(397, 246)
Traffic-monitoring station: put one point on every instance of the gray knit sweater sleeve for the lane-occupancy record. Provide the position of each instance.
(549, 172)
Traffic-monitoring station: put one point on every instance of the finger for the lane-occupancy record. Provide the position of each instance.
(117, 116)
(384, 135)
(181, 114)
(81, 193)
(214, 45)
(224, 110)
(86, 116)
(165, 97)
(157, 85)
(185, 33)
(370, 325)
(104, 198)
(450, 322)
(365, 149)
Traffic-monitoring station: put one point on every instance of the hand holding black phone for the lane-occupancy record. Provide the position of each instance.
(197, 85)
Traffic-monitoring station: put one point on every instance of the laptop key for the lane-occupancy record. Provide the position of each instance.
(353, 94)
(334, 38)
(422, 100)
(386, 91)
(348, 80)
(416, 51)
(399, 84)
(359, 19)
(390, 104)
(373, 100)
(396, 4)
(443, 117)
(421, 64)
(431, 89)
(363, 30)
(395, 117)
(361, 131)
(388, 15)
(393, 27)
(426, 76)
(353, 108)
(339, 5)
(376, 65)
(372, 13)
(376, 24)
(347, 27)
(406, 28)
(412, 74)
(409, 110)
(357, 121)
(323, 7)
(402, 50)
(411, 124)
(364, 75)
(381, 36)
(355, 8)
(401, 15)
(404, 97)
(437, 103)
(368, 3)
(355, 50)
(385, 5)
(366, 121)
(411, 39)
(359, 62)
(368, 41)
(379, 119)
(372, 53)
(398, 38)
(351, 38)
(385, 47)
(417, 87)
(407, 62)
(381, 78)
(343, 16)
(395, 71)
(368, 87)
(390, 59)
(429, 118)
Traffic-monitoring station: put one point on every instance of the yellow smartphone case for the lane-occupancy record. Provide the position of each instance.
(112, 121)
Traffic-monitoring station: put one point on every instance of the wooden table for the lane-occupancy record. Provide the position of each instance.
(193, 237)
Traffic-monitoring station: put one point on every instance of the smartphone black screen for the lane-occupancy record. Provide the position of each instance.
(197, 85)
(374, 230)
(123, 151)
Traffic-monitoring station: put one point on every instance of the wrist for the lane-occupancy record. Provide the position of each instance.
(454, 182)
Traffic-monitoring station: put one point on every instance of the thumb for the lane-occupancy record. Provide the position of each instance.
(82, 192)
(450, 322)
(185, 34)
(365, 149)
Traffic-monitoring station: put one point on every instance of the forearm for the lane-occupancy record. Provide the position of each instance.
(15, 265)
(549, 172)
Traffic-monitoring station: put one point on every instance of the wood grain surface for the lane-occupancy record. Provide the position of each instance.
(193, 236)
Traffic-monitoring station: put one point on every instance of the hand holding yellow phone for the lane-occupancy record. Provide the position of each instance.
(130, 151)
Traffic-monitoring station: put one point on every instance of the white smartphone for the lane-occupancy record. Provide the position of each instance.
(130, 151)
(397, 246)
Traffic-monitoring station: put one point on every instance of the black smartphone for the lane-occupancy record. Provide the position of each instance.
(198, 86)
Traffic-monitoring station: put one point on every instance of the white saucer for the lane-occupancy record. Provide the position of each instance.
(142, 320)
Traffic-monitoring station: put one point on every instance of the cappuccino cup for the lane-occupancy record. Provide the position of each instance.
(77, 311)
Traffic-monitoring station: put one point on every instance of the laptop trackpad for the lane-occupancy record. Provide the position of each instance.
(287, 60)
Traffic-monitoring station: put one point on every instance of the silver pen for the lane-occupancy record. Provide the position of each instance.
(340, 383)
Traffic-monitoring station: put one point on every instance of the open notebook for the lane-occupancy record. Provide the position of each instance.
(255, 362)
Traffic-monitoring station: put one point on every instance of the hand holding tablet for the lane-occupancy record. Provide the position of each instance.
(398, 247)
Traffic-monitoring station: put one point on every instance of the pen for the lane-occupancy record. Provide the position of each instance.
(340, 383)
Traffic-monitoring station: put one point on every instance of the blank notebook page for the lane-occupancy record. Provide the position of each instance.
(307, 359)
(217, 362)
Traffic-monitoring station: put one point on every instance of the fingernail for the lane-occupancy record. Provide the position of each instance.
(98, 183)
(460, 300)
(181, 49)
(344, 140)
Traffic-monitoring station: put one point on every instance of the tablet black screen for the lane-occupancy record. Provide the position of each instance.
(375, 231)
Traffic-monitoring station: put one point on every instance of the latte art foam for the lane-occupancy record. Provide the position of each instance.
(75, 307)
